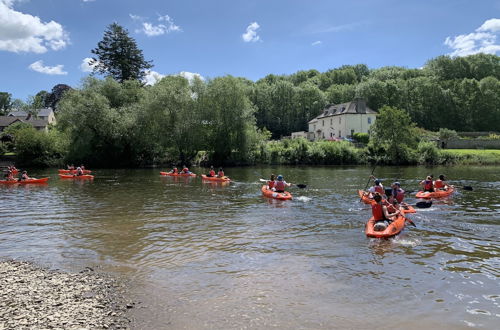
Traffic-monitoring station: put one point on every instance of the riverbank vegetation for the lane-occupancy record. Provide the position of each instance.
(119, 121)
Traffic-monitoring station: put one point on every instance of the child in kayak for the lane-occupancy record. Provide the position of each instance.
(381, 214)
(397, 193)
(427, 184)
(185, 170)
(211, 174)
(270, 183)
(220, 174)
(440, 184)
(174, 170)
(377, 187)
(280, 184)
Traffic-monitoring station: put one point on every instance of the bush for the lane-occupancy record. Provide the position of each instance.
(40, 149)
(428, 153)
(361, 137)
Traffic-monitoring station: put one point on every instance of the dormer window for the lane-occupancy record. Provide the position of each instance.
(343, 109)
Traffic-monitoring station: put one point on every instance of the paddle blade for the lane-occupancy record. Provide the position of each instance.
(424, 204)
(469, 188)
(301, 185)
(411, 222)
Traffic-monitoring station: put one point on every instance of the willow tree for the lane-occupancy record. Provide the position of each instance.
(118, 56)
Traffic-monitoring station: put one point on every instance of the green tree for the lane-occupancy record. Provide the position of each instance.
(118, 56)
(55, 96)
(5, 102)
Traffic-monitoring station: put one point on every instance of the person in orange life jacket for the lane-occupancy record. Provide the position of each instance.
(377, 188)
(220, 174)
(10, 176)
(174, 170)
(185, 170)
(212, 172)
(427, 184)
(397, 193)
(280, 184)
(270, 183)
(381, 214)
(441, 183)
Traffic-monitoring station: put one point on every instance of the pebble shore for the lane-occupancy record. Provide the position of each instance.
(33, 297)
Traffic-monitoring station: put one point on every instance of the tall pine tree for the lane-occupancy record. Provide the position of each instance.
(118, 56)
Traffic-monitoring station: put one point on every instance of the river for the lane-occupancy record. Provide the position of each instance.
(203, 255)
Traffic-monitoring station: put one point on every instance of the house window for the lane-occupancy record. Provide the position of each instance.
(352, 132)
(331, 134)
(340, 120)
(369, 120)
(323, 122)
(314, 127)
(331, 121)
(323, 135)
(340, 133)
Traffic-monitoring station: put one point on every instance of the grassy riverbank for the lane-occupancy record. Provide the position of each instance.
(474, 156)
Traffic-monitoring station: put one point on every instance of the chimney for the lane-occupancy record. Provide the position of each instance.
(360, 105)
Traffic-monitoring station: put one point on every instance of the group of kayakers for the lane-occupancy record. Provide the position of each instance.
(78, 171)
(211, 174)
(12, 171)
(277, 183)
(388, 204)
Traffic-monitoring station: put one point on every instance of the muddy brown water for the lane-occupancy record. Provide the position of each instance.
(204, 255)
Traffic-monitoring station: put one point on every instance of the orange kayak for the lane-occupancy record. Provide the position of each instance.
(70, 176)
(273, 194)
(74, 171)
(435, 194)
(29, 181)
(392, 229)
(364, 198)
(215, 178)
(178, 174)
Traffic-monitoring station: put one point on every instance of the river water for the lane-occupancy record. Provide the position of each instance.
(203, 255)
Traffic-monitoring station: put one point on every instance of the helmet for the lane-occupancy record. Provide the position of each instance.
(397, 183)
(280, 177)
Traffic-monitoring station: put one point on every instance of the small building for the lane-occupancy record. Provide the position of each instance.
(298, 135)
(44, 114)
(340, 121)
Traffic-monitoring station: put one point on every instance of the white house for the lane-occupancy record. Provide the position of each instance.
(44, 114)
(342, 120)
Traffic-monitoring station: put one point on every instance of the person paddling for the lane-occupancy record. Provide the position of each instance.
(211, 173)
(270, 183)
(174, 170)
(79, 171)
(377, 187)
(427, 184)
(380, 213)
(397, 193)
(280, 184)
(441, 184)
(24, 176)
(185, 170)
(220, 174)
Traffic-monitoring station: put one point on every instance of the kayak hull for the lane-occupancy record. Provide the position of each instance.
(73, 171)
(214, 178)
(178, 174)
(78, 177)
(435, 194)
(30, 181)
(273, 194)
(364, 198)
(392, 229)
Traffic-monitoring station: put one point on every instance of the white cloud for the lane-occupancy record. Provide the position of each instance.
(251, 34)
(482, 40)
(85, 66)
(152, 77)
(21, 32)
(166, 25)
(52, 70)
(88, 0)
(316, 43)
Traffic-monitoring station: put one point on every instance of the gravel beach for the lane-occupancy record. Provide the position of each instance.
(38, 298)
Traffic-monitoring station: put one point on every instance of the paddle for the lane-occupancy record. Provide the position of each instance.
(300, 185)
(368, 182)
(411, 222)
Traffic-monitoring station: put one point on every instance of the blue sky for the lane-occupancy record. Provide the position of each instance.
(43, 42)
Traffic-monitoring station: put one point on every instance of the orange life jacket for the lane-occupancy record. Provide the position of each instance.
(428, 185)
(211, 173)
(400, 195)
(270, 184)
(380, 190)
(220, 174)
(279, 185)
(438, 184)
(378, 211)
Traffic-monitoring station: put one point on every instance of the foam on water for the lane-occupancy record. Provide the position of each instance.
(303, 199)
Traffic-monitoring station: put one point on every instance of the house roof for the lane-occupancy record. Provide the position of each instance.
(9, 120)
(6, 120)
(44, 112)
(353, 107)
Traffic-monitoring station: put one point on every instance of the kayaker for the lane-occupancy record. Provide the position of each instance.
(377, 187)
(24, 176)
(441, 183)
(280, 184)
(82, 167)
(397, 193)
(185, 170)
(427, 184)
(270, 183)
(79, 171)
(174, 170)
(380, 213)
(211, 173)
(220, 174)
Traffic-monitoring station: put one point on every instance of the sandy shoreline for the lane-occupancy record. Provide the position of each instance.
(35, 297)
